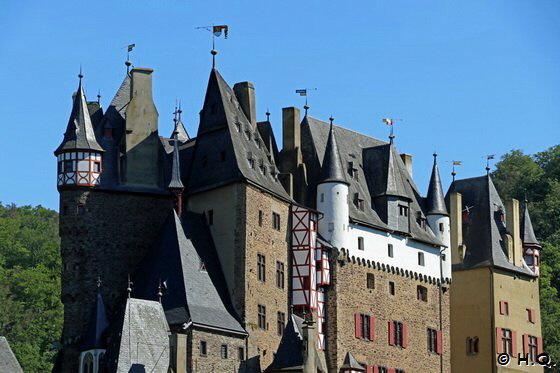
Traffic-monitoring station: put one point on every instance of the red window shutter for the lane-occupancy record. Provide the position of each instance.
(514, 343)
(391, 334)
(358, 325)
(372, 329)
(499, 346)
(539, 346)
(525, 340)
(404, 335)
(439, 342)
(391, 370)
(369, 369)
(375, 370)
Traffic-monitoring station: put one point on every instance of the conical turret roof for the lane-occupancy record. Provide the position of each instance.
(528, 234)
(79, 133)
(176, 182)
(435, 202)
(331, 170)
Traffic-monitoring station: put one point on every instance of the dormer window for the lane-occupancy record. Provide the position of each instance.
(352, 170)
(359, 202)
(248, 133)
(238, 126)
(250, 159)
(257, 142)
(403, 210)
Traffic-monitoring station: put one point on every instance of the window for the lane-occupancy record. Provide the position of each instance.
(360, 243)
(280, 275)
(281, 321)
(87, 366)
(403, 210)
(238, 126)
(276, 221)
(531, 315)
(201, 265)
(97, 167)
(68, 166)
(261, 267)
(322, 197)
(472, 346)
(80, 209)
(262, 316)
(391, 288)
(507, 342)
(260, 218)
(399, 370)
(203, 350)
(421, 293)
(240, 353)
(382, 369)
(504, 308)
(210, 217)
(364, 326)
(250, 159)
(421, 259)
(370, 281)
(223, 351)
(397, 334)
(432, 340)
(352, 171)
(390, 250)
(441, 227)
(532, 347)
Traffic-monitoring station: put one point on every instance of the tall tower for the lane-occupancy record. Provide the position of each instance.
(437, 216)
(332, 196)
(79, 155)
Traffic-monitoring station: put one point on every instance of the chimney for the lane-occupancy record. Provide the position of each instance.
(179, 345)
(291, 129)
(245, 93)
(407, 160)
(310, 342)
(456, 227)
(513, 227)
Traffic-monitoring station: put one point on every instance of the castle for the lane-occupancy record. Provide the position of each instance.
(224, 253)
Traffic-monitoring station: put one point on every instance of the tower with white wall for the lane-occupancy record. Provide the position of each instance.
(438, 217)
(332, 196)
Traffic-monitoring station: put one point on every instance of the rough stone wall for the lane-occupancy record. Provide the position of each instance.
(102, 234)
(273, 244)
(213, 361)
(349, 295)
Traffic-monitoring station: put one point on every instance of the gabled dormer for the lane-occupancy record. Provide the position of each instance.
(79, 155)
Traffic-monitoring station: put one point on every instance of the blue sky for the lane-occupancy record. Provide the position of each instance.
(468, 78)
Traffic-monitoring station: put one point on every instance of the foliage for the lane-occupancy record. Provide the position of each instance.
(30, 311)
(537, 178)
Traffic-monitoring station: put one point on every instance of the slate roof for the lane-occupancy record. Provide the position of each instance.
(527, 233)
(144, 340)
(331, 168)
(380, 171)
(435, 202)
(224, 129)
(191, 294)
(350, 362)
(8, 361)
(79, 133)
(267, 134)
(175, 182)
(97, 326)
(484, 230)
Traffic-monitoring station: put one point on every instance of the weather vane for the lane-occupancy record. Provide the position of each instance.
(216, 32)
(303, 92)
(390, 122)
(488, 158)
(455, 163)
(129, 49)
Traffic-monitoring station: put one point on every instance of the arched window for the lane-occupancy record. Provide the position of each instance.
(87, 364)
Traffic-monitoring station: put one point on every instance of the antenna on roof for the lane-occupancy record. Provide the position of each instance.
(216, 32)
(303, 92)
(488, 158)
(455, 163)
(129, 286)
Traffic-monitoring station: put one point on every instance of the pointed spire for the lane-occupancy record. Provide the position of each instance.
(176, 185)
(98, 322)
(527, 233)
(79, 131)
(332, 171)
(435, 202)
(129, 286)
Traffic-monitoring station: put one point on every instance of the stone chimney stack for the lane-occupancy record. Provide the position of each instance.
(456, 228)
(407, 160)
(291, 129)
(245, 93)
(291, 159)
(513, 226)
(310, 343)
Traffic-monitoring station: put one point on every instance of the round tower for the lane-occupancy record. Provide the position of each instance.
(332, 196)
(79, 156)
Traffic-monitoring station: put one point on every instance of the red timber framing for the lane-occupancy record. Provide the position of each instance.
(79, 168)
(304, 238)
(323, 267)
(320, 319)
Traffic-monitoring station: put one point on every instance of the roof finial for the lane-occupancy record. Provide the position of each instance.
(98, 96)
(99, 282)
(455, 163)
(129, 286)
(390, 122)
(331, 119)
(127, 62)
(160, 291)
(267, 115)
(488, 158)
(435, 156)
(80, 75)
